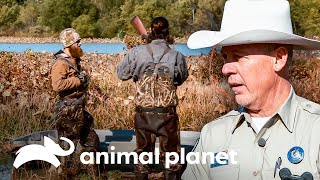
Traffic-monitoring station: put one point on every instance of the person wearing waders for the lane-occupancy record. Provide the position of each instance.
(71, 82)
(157, 70)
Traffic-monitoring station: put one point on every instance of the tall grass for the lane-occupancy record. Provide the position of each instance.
(26, 97)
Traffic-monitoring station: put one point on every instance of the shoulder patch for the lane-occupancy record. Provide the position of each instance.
(231, 113)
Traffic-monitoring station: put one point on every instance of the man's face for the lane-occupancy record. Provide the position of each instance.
(250, 73)
(75, 50)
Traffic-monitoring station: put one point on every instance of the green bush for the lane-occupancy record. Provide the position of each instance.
(85, 26)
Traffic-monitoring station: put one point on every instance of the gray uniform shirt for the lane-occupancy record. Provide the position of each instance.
(297, 123)
(138, 59)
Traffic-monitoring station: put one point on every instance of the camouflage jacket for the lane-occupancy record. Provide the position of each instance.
(157, 70)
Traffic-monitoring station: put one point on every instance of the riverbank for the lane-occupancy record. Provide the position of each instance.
(11, 39)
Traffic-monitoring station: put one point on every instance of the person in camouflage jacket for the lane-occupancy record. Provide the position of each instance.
(70, 82)
(157, 70)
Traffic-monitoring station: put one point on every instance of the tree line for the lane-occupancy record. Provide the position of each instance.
(111, 18)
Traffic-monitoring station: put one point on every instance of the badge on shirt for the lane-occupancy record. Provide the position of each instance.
(221, 163)
(296, 154)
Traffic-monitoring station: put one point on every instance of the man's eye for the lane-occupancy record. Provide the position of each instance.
(237, 57)
(224, 56)
(242, 58)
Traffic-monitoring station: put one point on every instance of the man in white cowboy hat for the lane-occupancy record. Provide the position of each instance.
(275, 133)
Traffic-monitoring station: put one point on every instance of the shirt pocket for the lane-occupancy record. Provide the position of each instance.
(226, 172)
(269, 174)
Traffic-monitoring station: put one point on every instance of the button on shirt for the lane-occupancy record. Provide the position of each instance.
(297, 123)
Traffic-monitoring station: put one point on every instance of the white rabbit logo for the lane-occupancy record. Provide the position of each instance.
(46, 152)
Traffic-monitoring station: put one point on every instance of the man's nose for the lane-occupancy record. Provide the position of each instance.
(229, 69)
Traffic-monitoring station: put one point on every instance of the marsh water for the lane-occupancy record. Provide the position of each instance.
(99, 48)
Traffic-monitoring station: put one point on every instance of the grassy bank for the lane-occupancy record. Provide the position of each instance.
(26, 97)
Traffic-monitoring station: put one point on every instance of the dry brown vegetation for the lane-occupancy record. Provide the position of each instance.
(26, 96)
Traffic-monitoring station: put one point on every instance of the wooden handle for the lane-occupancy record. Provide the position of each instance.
(137, 23)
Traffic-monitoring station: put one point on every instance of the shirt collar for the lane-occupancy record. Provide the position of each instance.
(158, 41)
(62, 54)
(287, 113)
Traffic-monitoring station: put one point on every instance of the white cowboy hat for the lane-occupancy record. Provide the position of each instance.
(253, 21)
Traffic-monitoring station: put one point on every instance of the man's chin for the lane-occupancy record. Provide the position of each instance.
(241, 100)
(80, 54)
(76, 53)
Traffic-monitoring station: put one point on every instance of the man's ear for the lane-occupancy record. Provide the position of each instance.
(280, 58)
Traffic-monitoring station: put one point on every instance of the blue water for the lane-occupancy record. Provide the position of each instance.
(100, 48)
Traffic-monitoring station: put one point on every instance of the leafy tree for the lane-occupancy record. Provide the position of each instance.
(109, 26)
(127, 10)
(146, 11)
(179, 14)
(8, 2)
(109, 18)
(208, 14)
(108, 7)
(85, 26)
(110, 22)
(59, 14)
(29, 13)
(8, 15)
(306, 17)
(180, 18)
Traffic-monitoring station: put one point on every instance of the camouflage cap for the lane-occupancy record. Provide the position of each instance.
(69, 36)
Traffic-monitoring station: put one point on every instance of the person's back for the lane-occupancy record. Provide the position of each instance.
(156, 73)
(157, 70)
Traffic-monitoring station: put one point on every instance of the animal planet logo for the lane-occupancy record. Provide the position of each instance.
(47, 152)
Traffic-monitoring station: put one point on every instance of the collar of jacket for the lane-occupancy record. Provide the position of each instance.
(159, 41)
(62, 54)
